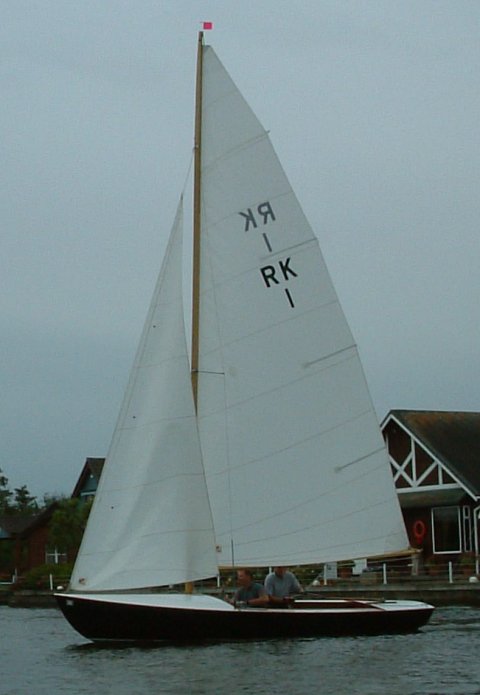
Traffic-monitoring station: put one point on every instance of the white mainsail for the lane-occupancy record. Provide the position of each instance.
(294, 467)
(150, 523)
(295, 463)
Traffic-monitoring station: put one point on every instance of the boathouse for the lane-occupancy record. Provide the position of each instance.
(435, 460)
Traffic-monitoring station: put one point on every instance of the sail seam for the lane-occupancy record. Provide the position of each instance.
(245, 145)
(315, 499)
(308, 242)
(142, 425)
(322, 524)
(268, 327)
(156, 481)
(276, 452)
(198, 530)
(290, 559)
(165, 360)
(287, 384)
(232, 216)
(227, 280)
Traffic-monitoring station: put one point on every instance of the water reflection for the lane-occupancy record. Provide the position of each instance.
(42, 654)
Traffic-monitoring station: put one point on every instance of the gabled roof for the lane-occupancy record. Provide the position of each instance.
(13, 526)
(92, 467)
(452, 437)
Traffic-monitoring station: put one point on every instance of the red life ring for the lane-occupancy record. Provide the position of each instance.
(419, 530)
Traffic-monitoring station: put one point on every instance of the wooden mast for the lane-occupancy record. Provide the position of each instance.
(197, 163)
(197, 220)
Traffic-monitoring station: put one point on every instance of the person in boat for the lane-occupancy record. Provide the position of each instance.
(249, 592)
(281, 585)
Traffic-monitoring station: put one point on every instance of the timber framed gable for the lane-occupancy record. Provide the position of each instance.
(414, 467)
(435, 462)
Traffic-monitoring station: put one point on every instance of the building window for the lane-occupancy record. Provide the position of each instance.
(54, 557)
(468, 541)
(446, 530)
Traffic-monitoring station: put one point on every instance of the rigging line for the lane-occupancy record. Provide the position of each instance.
(227, 443)
(189, 171)
(208, 256)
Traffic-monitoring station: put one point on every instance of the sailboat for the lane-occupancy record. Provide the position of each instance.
(259, 446)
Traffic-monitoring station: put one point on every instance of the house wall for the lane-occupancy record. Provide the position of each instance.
(458, 530)
(37, 546)
(418, 522)
(443, 525)
(33, 549)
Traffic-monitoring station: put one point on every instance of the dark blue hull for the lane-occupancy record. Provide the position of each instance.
(108, 620)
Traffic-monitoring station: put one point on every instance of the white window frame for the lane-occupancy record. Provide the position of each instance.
(468, 540)
(55, 557)
(459, 523)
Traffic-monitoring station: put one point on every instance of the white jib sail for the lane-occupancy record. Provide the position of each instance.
(296, 466)
(150, 523)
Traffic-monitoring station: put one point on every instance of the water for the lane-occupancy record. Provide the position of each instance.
(41, 654)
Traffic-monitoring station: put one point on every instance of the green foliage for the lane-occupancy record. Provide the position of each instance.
(19, 502)
(39, 577)
(24, 502)
(68, 524)
(5, 494)
(51, 497)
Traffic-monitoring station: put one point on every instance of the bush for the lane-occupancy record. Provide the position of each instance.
(39, 577)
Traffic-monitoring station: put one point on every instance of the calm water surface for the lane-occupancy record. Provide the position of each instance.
(40, 653)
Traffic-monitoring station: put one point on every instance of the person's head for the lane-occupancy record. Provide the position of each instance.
(244, 577)
(280, 571)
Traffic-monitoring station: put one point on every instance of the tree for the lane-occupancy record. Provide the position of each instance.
(68, 524)
(24, 502)
(5, 494)
(51, 497)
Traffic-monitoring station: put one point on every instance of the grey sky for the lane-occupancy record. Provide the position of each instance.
(373, 108)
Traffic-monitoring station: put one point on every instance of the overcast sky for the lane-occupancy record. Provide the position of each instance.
(373, 108)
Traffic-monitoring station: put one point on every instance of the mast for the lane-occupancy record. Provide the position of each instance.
(197, 163)
(197, 220)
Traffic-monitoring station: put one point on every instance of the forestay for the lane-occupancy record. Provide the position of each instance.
(151, 523)
(296, 467)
